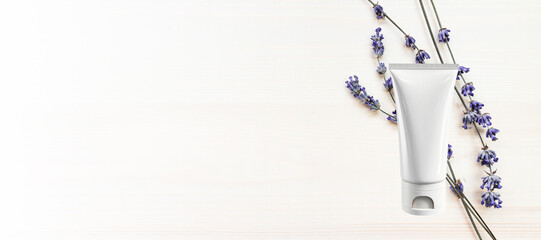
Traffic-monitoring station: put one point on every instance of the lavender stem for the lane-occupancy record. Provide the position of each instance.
(465, 207)
(469, 206)
(458, 93)
(388, 90)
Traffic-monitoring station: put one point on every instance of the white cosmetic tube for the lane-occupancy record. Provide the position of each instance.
(423, 94)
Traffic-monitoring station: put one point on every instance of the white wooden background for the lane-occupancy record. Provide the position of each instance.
(230, 120)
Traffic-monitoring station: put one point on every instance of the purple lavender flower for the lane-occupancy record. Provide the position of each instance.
(444, 35)
(487, 157)
(491, 133)
(359, 92)
(410, 41)
(476, 106)
(421, 56)
(469, 118)
(491, 199)
(377, 44)
(484, 120)
(377, 36)
(381, 69)
(372, 103)
(378, 9)
(388, 84)
(449, 151)
(491, 182)
(459, 188)
(468, 89)
(462, 70)
(393, 118)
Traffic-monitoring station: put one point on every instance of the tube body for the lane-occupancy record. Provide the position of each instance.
(423, 94)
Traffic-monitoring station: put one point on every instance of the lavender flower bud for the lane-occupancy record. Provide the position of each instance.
(491, 182)
(484, 120)
(381, 69)
(491, 133)
(393, 118)
(449, 151)
(410, 41)
(421, 56)
(443, 35)
(359, 92)
(372, 103)
(377, 44)
(491, 199)
(388, 84)
(487, 157)
(469, 118)
(476, 106)
(468, 89)
(378, 9)
(462, 70)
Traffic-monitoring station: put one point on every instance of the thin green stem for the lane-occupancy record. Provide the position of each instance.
(463, 80)
(430, 30)
(461, 195)
(465, 208)
(480, 219)
(436, 12)
(449, 48)
(472, 209)
(471, 219)
(451, 170)
(396, 25)
(479, 134)
(385, 112)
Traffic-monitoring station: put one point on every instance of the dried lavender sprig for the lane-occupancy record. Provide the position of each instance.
(460, 97)
(441, 60)
(460, 75)
(470, 206)
(360, 93)
(479, 218)
(388, 84)
(378, 48)
(486, 157)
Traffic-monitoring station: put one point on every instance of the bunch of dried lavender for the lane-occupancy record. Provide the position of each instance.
(472, 116)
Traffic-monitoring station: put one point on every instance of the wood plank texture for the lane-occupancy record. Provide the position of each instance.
(230, 119)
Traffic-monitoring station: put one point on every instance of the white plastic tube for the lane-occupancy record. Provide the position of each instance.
(423, 94)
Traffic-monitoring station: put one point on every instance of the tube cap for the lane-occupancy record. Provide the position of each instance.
(423, 199)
